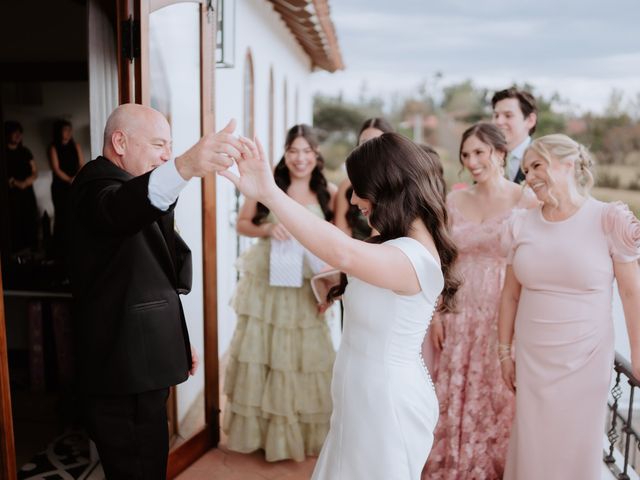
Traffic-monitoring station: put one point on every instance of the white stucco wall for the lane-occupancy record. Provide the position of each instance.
(260, 30)
(175, 45)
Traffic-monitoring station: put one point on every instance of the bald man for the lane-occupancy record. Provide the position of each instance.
(128, 268)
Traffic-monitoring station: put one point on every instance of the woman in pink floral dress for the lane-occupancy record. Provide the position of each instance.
(476, 409)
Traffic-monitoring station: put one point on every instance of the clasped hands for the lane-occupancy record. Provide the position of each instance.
(216, 152)
(212, 153)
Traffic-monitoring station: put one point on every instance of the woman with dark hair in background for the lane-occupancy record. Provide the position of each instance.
(348, 217)
(66, 159)
(434, 158)
(476, 409)
(278, 378)
(21, 173)
(384, 405)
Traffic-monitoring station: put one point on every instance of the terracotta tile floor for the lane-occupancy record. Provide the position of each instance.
(222, 464)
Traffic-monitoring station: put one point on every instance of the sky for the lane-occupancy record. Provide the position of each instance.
(579, 49)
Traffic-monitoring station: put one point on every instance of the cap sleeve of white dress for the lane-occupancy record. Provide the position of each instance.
(622, 229)
(509, 235)
(425, 265)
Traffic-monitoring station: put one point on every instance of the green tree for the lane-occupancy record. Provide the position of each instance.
(334, 115)
(465, 102)
(338, 121)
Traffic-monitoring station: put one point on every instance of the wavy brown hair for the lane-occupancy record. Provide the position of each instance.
(317, 182)
(434, 158)
(378, 123)
(403, 184)
(488, 134)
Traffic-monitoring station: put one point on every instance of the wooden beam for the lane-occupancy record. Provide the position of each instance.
(7, 445)
(310, 23)
(209, 228)
(125, 79)
(141, 64)
(180, 458)
(292, 4)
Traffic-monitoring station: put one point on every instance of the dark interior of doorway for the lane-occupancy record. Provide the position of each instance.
(43, 76)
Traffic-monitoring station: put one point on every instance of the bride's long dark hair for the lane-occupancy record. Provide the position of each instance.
(402, 183)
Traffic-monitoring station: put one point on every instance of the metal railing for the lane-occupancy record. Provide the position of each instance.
(624, 442)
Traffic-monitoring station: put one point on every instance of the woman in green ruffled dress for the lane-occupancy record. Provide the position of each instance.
(278, 378)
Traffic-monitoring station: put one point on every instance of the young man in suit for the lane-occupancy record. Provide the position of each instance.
(515, 113)
(128, 268)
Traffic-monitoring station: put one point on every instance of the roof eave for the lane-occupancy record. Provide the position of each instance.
(310, 23)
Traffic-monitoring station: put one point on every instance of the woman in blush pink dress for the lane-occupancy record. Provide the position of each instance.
(476, 408)
(556, 304)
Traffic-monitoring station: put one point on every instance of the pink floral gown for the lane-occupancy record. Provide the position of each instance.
(476, 408)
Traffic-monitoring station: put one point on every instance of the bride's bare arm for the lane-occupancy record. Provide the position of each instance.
(628, 278)
(382, 265)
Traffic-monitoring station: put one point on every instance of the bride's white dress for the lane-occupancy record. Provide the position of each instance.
(384, 406)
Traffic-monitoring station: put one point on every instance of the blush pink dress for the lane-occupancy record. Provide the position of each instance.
(564, 336)
(476, 407)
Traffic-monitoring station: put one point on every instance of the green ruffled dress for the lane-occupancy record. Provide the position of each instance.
(278, 377)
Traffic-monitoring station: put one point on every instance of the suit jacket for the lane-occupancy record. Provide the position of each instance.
(519, 178)
(128, 267)
(520, 149)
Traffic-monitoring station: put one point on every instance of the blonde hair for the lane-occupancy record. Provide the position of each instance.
(564, 149)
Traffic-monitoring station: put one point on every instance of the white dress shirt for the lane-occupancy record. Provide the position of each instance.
(515, 158)
(165, 184)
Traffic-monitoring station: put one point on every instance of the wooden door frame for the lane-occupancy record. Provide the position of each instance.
(132, 76)
(7, 445)
(196, 446)
(133, 79)
(124, 11)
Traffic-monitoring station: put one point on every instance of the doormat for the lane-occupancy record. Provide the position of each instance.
(66, 457)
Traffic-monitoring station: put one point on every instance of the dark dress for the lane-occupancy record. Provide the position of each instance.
(69, 163)
(23, 211)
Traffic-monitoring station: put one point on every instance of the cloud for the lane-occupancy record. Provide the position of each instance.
(387, 44)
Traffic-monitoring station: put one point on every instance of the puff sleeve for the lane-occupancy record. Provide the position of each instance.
(622, 229)
(509, 234)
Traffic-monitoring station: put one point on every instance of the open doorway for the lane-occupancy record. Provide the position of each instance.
(44, 90)
(82, 58)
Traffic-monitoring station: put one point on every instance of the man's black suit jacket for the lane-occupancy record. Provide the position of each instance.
(128, 267)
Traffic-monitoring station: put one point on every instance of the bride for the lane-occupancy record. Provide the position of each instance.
(385, 408)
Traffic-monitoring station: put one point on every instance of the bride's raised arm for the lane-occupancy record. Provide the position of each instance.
(381, 265)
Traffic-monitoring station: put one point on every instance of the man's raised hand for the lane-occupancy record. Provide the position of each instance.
(214, 152)
(256, 176)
